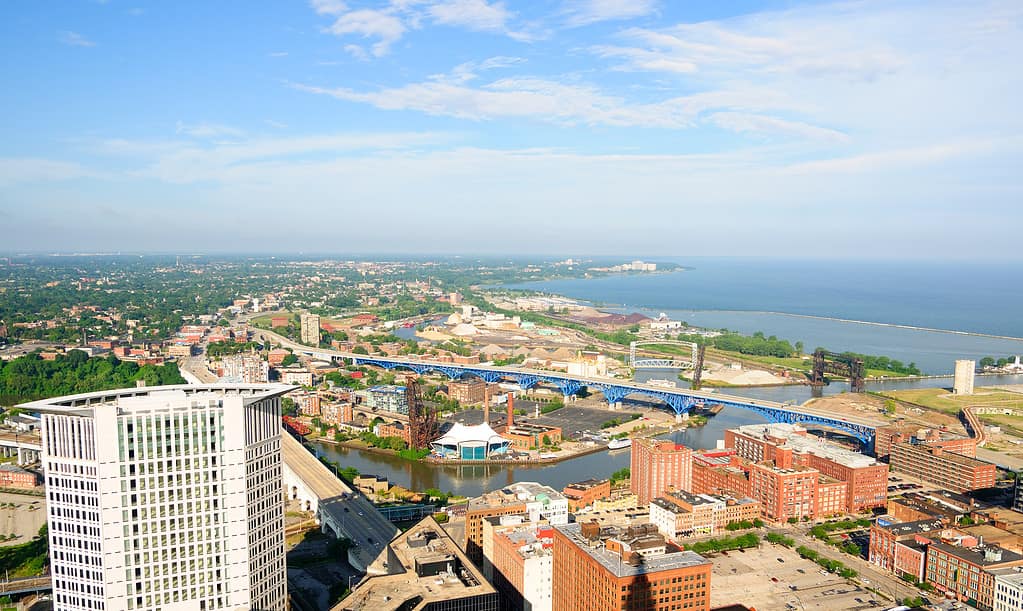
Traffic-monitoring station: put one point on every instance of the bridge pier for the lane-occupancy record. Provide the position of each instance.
(27, 456)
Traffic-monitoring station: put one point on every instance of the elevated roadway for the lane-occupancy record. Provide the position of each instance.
(342, 512)
(26, 446)
(680, 400)
(29, 585)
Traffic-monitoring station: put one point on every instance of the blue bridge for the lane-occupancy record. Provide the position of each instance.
(679, 400)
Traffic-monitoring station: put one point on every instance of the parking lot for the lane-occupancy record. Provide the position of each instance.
(574, 419)
(757, 578)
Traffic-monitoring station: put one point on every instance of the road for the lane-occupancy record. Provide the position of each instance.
(30, 584)
(875, 577)
(339, 506)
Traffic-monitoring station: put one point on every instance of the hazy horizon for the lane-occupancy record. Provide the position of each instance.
(874, 129)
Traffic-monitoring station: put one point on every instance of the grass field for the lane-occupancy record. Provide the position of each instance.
(264, 321)
(941, 400)
(944, 401)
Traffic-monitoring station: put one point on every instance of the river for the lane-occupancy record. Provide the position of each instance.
(474, 479)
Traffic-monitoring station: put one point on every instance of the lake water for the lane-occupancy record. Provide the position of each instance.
(777, 296)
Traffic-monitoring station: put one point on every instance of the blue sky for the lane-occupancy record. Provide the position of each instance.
(873, 129)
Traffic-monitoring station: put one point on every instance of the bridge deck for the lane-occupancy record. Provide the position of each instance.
(613, 388)
(346, 512)
(310, 470)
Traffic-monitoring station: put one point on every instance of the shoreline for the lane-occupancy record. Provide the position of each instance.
(599, 305)
(428, 461)
(830, 319)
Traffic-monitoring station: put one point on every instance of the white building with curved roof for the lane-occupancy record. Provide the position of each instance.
(476, 442)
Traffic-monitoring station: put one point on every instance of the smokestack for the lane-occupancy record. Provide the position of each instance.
(511, 411)
(486, 402)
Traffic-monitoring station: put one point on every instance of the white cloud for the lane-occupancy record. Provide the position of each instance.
(75, 39)
(207, 130)
(328, 7)
(186, 163)
(384, 27)
(566, 104)
(760, 124)
(501, 61)
(665, 195)
(585, 12)
(900, 159)
(389, 23)
(472, 14)
(278, 54)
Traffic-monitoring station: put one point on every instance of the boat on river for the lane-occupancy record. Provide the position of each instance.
(618, 444)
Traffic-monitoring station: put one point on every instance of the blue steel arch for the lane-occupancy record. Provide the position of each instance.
(679, 400)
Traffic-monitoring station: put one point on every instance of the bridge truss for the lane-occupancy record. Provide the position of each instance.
(838, 364)
(662, 363)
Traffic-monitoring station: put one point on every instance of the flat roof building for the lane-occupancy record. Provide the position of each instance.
(529, 498)
(1008, 589)
(613, 569)
(422, 570)
(789, 444)
(964, 573)
(584, 493)
(679, 514)
(934, 465)
(658, 465)
(169, 495)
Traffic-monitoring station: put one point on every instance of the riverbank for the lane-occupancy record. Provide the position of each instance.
(362, 446)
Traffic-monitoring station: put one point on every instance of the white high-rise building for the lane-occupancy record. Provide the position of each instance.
(962, 383)
(165, 498)
(310, 331)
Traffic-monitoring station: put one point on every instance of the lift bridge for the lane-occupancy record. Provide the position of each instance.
(677, 362)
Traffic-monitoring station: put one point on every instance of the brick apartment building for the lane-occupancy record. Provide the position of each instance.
(936, 465)
(965, 572)
(467, 392)
(584, 493)
(657, 466)
(784, 492)
(866, 479)
(625, 569)
(887, 436)
(901, 547)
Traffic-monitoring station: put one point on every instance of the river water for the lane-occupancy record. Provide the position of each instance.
(474, 479)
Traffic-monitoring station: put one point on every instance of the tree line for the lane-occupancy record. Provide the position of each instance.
(30, 377)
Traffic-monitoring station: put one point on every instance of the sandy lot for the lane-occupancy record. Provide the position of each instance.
(743, 377)
(24, 518)
(747, 578)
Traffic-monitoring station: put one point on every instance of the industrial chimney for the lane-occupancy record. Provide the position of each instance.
(486, 403)
(511, 411)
